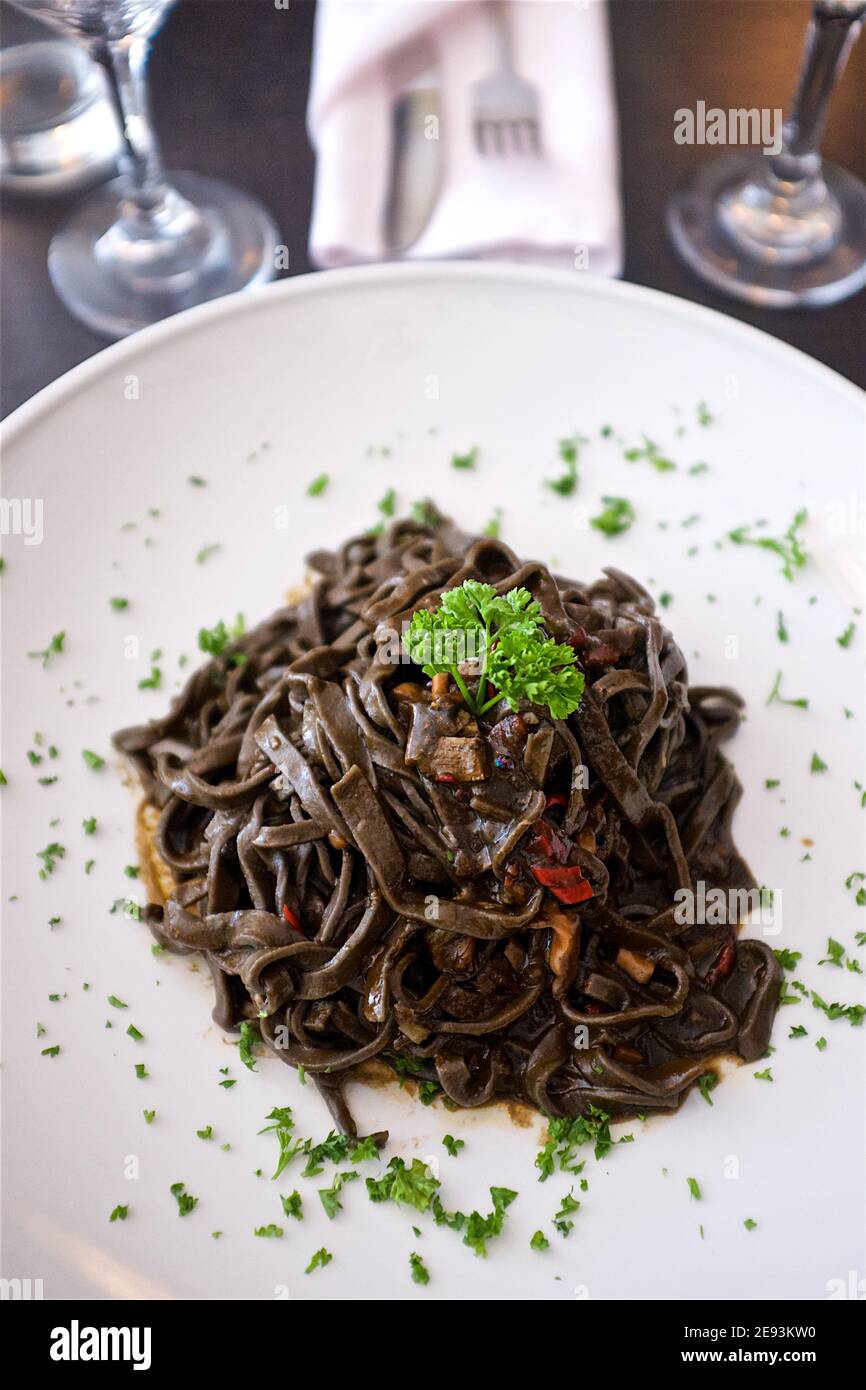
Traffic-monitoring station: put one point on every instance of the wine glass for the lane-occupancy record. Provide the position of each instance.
(147, 245)
(785, 229)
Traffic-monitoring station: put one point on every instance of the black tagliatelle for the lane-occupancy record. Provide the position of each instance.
(487, 903)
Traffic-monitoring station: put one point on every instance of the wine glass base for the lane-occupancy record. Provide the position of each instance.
(699, 236)
(115, 301)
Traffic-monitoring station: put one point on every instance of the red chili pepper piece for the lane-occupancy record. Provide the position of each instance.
(291, 918)
(547, 843)
(565, 881)
(556, 799)
(577, 638)
(724, 963)
(446, 777)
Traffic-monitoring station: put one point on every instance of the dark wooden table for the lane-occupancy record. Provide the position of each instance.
(229, 83)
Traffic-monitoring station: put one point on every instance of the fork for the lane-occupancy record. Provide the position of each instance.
(505, 108)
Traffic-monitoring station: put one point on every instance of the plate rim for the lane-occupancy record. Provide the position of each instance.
(327, 282)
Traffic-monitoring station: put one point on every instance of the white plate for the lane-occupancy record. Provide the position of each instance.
(258, 395)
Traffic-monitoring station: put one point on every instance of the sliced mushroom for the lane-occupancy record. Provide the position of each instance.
(464, 759)
(640, 968)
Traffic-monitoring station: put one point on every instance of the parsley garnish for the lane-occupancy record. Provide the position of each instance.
(465, 461)
(853, 1012)
(49, 856)
(330, 1196)
(292, 1205)
(205, 553)
(652, 454)
(424, 513)
(282, 1127)
(249, 1036)
(561, 1223)
(419, 1270)
(453, 1145)
(119, 604)
(847, 636)
(93, 760)
(835, 953)
(775, 696)
(214, 640)
(817, 764)
(567, 1134)
(512, 651)
(54, 647)
(318, 485)
(119, 1214)
(706, 1083)
(694, 1189)
(789, 547)
(321, 1258)
(271, 1232)
(414, 1186)
(185, 1201)
(480, 1229)
(566, 483)
(616, 516)
(539, 1241)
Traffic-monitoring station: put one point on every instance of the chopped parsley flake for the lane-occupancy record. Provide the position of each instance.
(321, 1258)
(775, 696)
(55, 646)
(185, 1201)
(292, 1205)
(318, 485)
(706, 1083)
(330, 1196)
(617, 516)
(561, 1223)
(418, 1270)
(465, 461)
(49, 856)
(789, 547)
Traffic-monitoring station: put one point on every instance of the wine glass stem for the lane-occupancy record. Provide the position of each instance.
(125, 63)
(833, 29)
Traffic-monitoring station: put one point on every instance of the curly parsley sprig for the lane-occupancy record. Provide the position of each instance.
(502, 638)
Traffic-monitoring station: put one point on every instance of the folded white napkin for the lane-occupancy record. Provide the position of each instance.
(561, 209)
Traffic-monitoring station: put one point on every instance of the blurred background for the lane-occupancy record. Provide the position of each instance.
(230, 82)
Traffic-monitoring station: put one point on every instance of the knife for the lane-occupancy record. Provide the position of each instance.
(416, 162)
